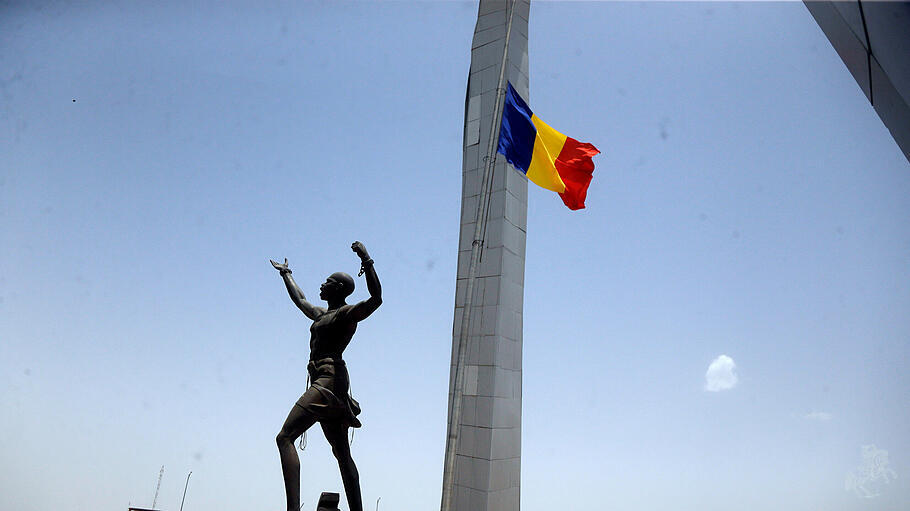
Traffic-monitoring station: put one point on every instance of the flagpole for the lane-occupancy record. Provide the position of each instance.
(184, 489)
(480, 226)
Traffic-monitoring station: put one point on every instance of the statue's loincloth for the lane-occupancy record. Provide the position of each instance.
(328, 397)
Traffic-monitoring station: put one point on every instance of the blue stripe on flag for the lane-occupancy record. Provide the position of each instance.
(517, 134)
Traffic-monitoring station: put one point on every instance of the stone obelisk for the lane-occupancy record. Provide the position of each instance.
(483, 450)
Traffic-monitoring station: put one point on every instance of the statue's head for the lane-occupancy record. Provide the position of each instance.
(337, 287)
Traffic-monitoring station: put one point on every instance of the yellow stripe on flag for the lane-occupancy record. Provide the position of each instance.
(547, 145)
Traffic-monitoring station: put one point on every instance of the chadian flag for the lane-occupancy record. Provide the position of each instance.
(549, 158)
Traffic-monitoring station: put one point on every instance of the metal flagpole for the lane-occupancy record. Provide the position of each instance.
(184, 489)
(480, 221)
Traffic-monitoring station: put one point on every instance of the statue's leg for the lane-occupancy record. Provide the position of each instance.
(298, 421)
(337, 435)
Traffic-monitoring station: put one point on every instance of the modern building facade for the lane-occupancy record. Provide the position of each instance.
(873, 40)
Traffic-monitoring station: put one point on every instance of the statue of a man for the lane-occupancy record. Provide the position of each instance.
(327, 400)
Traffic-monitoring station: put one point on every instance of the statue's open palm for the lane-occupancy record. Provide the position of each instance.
(282, 267)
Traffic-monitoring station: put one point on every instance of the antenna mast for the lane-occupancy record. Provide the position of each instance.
(160, 475)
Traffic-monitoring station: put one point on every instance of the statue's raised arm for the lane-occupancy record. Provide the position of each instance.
(362, 310)
(297, 296)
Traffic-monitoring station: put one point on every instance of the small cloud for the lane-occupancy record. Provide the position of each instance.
(818, 416)
(721, 374)
(868, 481)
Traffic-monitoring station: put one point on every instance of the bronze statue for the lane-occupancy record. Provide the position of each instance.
(327, 399)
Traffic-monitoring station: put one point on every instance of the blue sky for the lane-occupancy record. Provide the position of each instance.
(748, 203)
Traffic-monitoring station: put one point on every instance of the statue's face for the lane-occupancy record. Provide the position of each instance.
(337, 287)
(330, 288)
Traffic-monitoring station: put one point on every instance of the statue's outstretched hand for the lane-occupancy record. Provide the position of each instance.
(281, 267)
(360, 250)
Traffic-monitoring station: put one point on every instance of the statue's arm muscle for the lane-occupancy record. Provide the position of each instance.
(362, 310)
(308, 309)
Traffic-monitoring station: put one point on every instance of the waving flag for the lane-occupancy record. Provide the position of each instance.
(549, 158)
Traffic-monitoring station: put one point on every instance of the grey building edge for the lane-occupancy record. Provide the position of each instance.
(873, 40)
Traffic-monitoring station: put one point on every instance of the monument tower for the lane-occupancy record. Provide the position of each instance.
(483, 448)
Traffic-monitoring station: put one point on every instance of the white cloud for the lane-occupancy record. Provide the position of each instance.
(721, 374)
(869, 479)
(818, 416)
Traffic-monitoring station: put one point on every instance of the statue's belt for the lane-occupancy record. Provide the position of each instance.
(322, 361)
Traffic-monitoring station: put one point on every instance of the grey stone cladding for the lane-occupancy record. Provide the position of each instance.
(488, 457)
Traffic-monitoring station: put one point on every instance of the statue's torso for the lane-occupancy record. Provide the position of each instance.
(331, 333)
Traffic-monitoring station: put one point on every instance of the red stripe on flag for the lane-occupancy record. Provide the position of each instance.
(576, 168)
